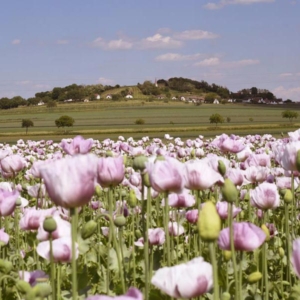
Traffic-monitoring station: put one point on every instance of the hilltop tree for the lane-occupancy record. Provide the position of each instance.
(51, 104)
(26, 123)
(216, 119)
(210, 97)
(288, 114)
(64, 121)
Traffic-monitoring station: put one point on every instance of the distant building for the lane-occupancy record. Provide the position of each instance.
(216, 101)
(41, 103)
(108, 97)
(86, 100)
(174, 98)
(182, 98)
(69, 100)
(128, 96)
(97, 96)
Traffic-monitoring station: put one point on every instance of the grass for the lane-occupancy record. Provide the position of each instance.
(103, 119)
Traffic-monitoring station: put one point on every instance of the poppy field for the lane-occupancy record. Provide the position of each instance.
(151, 218)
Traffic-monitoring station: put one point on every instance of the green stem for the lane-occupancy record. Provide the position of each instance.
(265, 262)
(58, 281)
(74, 264)
(213, 260)
(52, 266)
(288, 246)
(133, 249)
(167, 229)
(232, 249)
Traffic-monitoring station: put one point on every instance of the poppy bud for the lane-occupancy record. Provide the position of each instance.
(288, 196)
(229, 191)
(227, 255)
(146, 180)
(226, 296)
(88, 229)
(42, 290)
(49, 224)
(132, 201)
(209, 222)
(266, 231)
(18, 202)
(298, 161)
(5, 266)
(254, 277)
(139, 163)
(23, 287)
(98, 190)
(221, 167)
(281, 252)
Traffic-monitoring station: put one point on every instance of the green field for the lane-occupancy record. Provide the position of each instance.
(109, 119)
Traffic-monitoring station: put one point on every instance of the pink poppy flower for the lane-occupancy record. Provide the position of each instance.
(31, 277)
(222, 209)
(111, 171)
(62, 250)
(4, 237)
(200, 176)
(246, 236)
(175, 229)
(8, 202)
(265, 196)
(132, 294)
(156, 236)
(296, 257)
(184, 199)
(11, 165)
(77, 146)
(192, 216)
(166, 175)
(70, 182)
(187, 280)
(288, 156)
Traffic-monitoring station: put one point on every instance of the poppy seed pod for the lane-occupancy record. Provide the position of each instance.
(209, 222)
(254, 277)
(227, 255)
(226, 296)
(42, 290)
(229, 191)
(120, 221)
(281, 252)
(139, 163)
(49, 224)
(88, 229)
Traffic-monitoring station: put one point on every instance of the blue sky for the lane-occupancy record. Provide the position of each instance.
(235, 43)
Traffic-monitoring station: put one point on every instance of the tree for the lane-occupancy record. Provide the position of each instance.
(64, 121)
(210, 97)
(26, 123)
(51, 104)
(288, 114)
(216, 118)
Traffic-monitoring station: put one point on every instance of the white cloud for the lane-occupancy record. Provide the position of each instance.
(119, 44)
(208, 62)
(177, 57)
(240, 63)
(105, 81)
(286, 74)
(62, 42)
(215, 61)
(287, 93)
(222, 3)
(16, 42)
(24, 82)
(195, 35)
(158, 41)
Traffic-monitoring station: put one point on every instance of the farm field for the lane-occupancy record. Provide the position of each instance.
(107, 119)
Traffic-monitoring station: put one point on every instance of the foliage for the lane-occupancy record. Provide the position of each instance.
(228, 119)
(251, 119)
(26, 123)
(216, 119)
(64, 121)
(51, 104)
(148, 88)
(288, 114)
(140, 121)
(210, 97)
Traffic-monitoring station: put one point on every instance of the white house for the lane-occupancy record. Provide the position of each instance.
(182, 98)
(174, 98)
(129, 96)
(108, 97)
(41, 103)
(86, 100)
(216, 101)
(68, 100)
(230, 101)
(97, 96)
